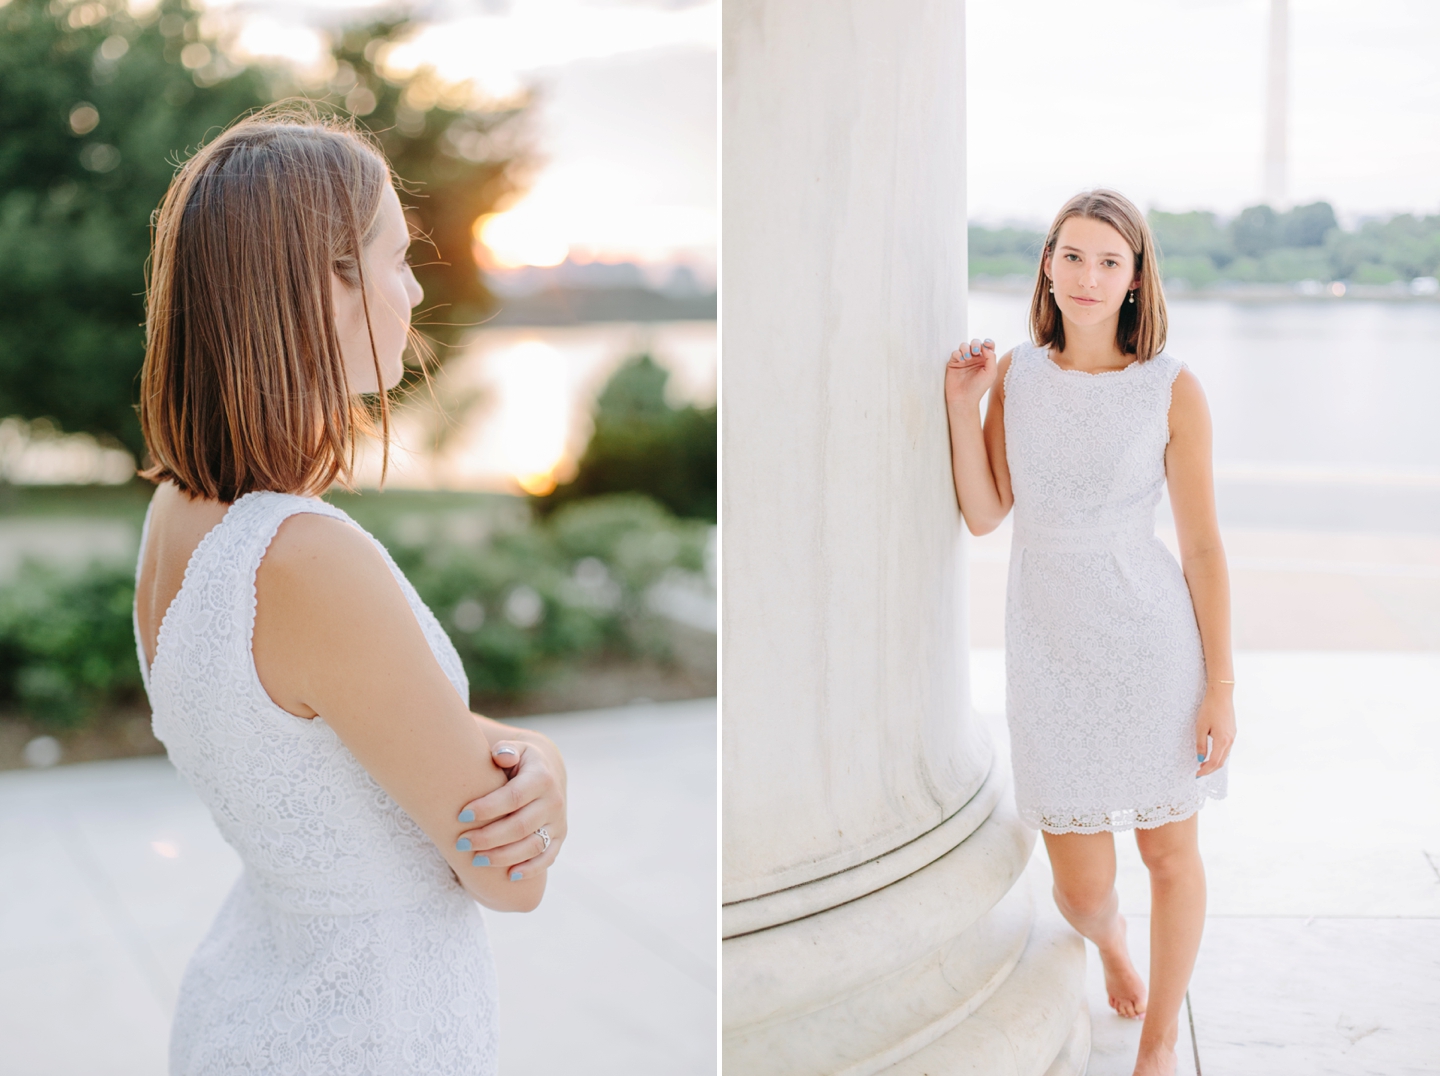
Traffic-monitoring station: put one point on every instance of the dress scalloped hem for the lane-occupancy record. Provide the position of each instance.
(1119, 821)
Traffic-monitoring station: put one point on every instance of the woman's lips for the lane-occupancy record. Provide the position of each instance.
(1084, 301)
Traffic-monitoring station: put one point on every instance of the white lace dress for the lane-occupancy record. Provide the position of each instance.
(346, 946)
(1104, 670)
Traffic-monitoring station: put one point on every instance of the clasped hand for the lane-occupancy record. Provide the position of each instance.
(970, 372)
(501, 828)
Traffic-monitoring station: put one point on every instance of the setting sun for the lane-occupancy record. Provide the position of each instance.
(524, 235)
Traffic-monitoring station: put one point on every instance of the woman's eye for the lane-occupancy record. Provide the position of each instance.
(1072, 257)
(1111, 262)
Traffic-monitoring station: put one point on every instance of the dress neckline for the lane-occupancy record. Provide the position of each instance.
(1045, 351)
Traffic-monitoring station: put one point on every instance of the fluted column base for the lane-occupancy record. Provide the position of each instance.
(963, 966)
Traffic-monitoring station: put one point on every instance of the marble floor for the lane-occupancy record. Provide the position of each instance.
(110, 873)
(1321, 952)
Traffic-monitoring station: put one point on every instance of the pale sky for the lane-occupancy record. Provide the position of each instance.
(1164, 100)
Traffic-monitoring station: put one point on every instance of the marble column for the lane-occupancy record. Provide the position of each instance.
(878, 912)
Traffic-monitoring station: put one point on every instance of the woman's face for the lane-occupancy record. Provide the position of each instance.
(392, 291)
(1092, 269)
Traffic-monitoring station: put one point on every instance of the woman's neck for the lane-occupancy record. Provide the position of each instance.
(1092, 347)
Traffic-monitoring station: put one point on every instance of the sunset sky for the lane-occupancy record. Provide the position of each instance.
(626, 120)
(1163, 99)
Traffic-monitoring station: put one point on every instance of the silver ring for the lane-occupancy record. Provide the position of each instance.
(544, 836)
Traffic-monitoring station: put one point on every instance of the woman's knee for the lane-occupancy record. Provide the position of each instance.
(1083, 867)
(1083, 898)
(1168, 850)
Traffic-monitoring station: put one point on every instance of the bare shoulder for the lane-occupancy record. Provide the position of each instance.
(1186, 388)
(306, 534)
(1188, 408)
(323, 581)
(315, 550)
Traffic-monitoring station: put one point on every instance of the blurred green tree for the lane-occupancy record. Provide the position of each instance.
(643, 445)
(1196, 234)
(998, 252)
(95, 109)
(98, 106)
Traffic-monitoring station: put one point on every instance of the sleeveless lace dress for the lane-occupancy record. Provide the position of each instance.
(346, 946)
(1104, 670)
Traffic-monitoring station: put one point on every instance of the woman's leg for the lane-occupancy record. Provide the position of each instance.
(1177, 918)
(1084, 868)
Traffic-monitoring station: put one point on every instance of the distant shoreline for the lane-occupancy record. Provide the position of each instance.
(1177, 291)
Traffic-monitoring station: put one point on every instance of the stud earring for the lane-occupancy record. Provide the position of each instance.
(1132, 297)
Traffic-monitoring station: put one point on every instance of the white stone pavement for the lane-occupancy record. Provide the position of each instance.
(110, 873)
(1321, 954)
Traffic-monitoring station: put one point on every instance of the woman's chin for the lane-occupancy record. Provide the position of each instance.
(394, 377)
(1081, 314)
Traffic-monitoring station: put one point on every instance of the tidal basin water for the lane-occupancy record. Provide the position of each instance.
(1323, 410)
(513, 409)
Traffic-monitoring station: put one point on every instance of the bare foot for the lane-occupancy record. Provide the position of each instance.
(1122, 981)
(1156, 1062)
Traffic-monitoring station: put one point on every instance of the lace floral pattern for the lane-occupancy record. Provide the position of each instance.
(347, 946)
(1103, 664)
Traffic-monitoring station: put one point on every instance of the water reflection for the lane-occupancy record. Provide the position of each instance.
(1310, 390)
(513, 412)
(1322, 408)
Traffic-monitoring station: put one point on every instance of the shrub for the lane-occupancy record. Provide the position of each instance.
(519, 599)
(522, 600)
(67, 648)
(643, 445)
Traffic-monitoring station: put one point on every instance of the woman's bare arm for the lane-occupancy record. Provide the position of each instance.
(1190, 476)
(977, 452)
(335, 636)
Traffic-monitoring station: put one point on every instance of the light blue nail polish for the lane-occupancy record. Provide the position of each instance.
(1199, 758)
(463, 844)
(480, 860)
(515, 876)
(467, 815)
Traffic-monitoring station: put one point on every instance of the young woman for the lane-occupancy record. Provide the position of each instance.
(297, 680)
(1118, 670)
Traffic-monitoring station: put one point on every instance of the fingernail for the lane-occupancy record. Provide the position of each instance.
(1199, 758)
(506, 751)
(467, 815)
(463, 844)
(480, 860)
(515, 876)
(988, 340)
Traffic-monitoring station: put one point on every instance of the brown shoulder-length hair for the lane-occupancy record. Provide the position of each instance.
(1142, 327)
(243, 386)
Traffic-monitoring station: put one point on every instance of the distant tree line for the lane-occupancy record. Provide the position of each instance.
(1260, 245)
